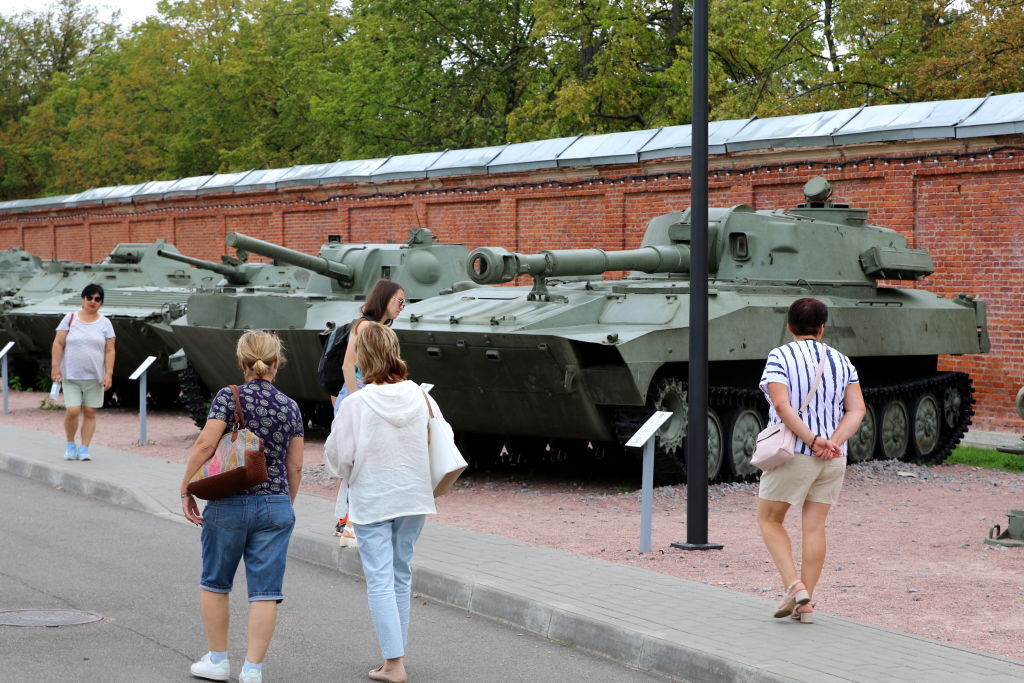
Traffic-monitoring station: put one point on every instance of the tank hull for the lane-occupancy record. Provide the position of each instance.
(299, 323)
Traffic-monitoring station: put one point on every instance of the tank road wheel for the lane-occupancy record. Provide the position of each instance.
(716, 444)
(927, 423)
(741, 431)
(952, 404)
(861, 445)
(895, 430)
(669, 393)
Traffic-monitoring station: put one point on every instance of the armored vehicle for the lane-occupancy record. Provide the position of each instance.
(577, 362)
(140, 288)
(17, 266)
(341, 277)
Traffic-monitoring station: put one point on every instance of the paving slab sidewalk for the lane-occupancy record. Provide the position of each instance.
(650, 621)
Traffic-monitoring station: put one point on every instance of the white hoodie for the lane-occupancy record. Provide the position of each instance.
(378, 445)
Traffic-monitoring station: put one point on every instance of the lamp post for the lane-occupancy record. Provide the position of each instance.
(697, 427)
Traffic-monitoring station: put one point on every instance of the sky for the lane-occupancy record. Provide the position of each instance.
(131, 10)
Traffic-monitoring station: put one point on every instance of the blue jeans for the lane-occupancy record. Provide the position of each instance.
(256, 527)
(385, 549)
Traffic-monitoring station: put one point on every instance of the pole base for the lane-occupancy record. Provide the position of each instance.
(696, 546)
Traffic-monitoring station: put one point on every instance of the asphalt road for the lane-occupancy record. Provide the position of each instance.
(60, 551)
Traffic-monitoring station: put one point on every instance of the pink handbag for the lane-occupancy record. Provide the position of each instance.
(776, 445)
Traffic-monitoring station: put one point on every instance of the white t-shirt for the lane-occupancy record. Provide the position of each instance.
(84, 347)
(794, 365)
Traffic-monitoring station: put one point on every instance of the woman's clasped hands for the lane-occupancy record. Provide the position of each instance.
(826, 449)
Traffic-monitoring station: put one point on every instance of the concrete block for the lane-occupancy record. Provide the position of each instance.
(503, 605)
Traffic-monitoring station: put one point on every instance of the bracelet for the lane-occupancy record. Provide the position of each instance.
(814, 440)
(186, 495)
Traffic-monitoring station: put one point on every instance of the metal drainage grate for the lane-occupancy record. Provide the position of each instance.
(47, 617)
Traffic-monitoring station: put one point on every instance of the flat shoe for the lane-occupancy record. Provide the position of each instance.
(794, 596)
(378, 675)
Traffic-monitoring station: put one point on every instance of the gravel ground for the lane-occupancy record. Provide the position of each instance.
(905, 552)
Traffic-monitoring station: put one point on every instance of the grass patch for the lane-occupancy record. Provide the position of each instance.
(989, 459)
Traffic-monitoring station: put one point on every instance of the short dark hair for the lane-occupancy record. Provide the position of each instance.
(376, 306)
(806, 316)
(90, 290)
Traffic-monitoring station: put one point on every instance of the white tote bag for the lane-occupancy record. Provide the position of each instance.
(776, 445)
(446, 462)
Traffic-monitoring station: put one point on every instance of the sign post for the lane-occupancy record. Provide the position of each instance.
(3, 372)
(140, 374)
(644, 438)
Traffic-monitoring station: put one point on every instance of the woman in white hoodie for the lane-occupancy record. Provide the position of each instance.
(378, 446)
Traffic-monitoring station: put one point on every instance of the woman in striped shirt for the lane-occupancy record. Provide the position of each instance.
(812, 479)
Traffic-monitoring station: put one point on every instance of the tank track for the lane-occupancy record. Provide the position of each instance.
(670, 466)
(194, 394)
(949, 435)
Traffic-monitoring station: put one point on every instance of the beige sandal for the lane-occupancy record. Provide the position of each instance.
(796, 594)
(804, 613)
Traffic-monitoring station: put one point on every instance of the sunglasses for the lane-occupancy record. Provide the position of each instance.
(95, 297)
(400, 300)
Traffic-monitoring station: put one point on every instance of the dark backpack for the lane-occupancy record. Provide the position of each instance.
(328, 371)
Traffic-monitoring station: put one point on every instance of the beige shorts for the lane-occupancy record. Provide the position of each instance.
(804, 478)
(82, 392)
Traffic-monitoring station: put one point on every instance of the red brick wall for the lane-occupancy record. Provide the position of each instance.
(966, 208)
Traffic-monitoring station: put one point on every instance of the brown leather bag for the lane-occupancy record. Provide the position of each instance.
(238, 463)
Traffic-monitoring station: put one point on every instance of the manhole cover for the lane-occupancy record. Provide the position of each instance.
(47, 617)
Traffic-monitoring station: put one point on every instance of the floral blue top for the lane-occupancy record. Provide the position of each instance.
(273, 417)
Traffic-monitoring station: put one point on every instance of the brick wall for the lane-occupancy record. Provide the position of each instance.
(962, 200)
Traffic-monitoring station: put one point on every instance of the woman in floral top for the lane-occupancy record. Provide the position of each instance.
(255, 524)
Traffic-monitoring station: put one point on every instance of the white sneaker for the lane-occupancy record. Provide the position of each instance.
(205, 668)
(251, 677)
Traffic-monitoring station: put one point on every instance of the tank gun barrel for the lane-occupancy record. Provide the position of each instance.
(494, 265)
(332, 269)
(236, 275)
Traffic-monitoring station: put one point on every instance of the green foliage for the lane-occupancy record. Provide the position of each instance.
(225, 85)
(989, 459)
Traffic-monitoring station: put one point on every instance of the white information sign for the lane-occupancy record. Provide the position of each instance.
(648, 428)
(142, 367)
(3, 352)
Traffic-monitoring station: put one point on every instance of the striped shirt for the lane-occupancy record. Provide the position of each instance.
(795, 365)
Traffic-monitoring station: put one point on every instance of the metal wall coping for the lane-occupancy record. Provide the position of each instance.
(997, 115)
(964, 118)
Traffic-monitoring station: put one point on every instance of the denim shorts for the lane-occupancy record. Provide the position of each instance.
(254, 527)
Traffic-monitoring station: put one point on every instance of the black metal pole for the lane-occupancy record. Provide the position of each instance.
(697, 427)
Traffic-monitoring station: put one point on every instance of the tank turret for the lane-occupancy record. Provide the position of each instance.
(342, 273)
(235, 273)
(743, 245)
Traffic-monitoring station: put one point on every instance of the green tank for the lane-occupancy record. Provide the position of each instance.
(17, 267)
(340, 278)
(140, 289)
(575, 363)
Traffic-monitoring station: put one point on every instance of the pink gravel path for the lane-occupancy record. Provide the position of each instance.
(906, 552)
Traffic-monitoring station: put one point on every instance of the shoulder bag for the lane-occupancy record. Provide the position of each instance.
(776, 445)
(446, 462)
(238, 463)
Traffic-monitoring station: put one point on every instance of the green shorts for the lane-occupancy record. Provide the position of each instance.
(82, 392)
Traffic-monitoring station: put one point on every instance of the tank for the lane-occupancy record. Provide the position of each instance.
(238, 272)
(141, 289)
(575, 363)
(340, 278)
(17, 266)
